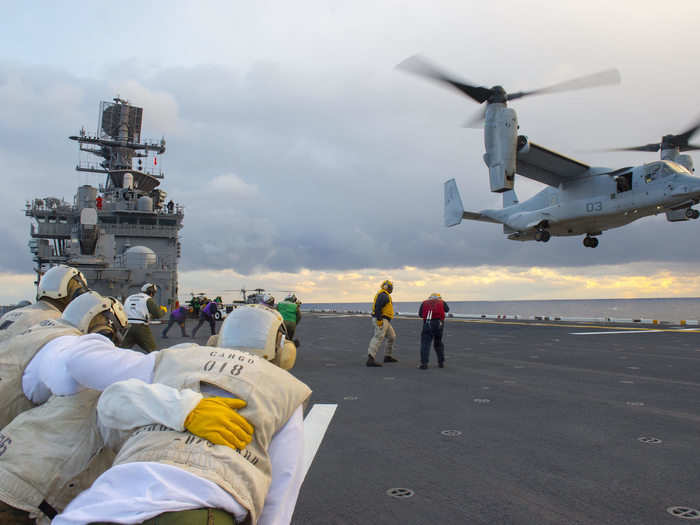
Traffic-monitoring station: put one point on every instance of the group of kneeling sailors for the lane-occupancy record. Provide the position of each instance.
(94, 433)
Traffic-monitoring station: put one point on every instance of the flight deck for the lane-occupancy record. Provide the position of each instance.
(530, 422)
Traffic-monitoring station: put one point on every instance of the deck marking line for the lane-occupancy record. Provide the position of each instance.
(618, 332)
(315, 425)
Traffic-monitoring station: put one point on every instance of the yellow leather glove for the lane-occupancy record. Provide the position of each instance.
(215, 419)
(164, 309)
(380, 322)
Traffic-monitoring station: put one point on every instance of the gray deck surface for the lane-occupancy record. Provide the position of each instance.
(550, 424)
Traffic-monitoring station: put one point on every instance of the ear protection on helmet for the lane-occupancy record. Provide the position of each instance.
(286, 355)
(106, 324)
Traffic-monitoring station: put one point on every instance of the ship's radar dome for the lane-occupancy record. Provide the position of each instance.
(140, 257)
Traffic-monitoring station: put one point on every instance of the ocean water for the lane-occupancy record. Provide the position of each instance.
(660, 309)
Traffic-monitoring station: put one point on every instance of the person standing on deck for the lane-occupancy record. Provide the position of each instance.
(141, 308)
(382, 314)
(433, 311)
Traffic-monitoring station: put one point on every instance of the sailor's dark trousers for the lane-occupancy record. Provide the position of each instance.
(432, 332)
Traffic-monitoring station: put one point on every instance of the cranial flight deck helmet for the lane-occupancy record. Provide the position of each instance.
(92, 313)
(62, 284)
(388, 286)
(149, 288)
(260, 331)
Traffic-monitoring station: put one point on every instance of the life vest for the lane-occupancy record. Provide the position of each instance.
(387, 309)
(15, 354)
(288, 311)
(18, 320)
(272, 396)
(137, 308)
(433, 309)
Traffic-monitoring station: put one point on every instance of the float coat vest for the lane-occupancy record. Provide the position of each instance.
(15, 355)
(52, 452)
(434, 309)
(387, 309)
(137, 309)
(272, 395)
(17, 321)
(288, 311)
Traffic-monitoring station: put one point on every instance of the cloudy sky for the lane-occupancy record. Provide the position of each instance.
(306, 161)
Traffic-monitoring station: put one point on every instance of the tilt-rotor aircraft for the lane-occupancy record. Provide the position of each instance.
(579, 199)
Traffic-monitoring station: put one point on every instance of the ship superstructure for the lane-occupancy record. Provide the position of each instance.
(124, 232)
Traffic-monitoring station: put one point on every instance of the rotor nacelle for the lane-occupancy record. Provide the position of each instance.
(500, 140)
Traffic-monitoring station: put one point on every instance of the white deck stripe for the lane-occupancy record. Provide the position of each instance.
(315, 425)
(618, 332)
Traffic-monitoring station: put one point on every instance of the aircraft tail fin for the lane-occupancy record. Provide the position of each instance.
(509, 198)
(454, 209)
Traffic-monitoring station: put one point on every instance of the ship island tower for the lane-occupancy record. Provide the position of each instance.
(122, 233)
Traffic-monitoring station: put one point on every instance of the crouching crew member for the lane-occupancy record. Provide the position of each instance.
(46, 447)
(289, 308)
(57, 288)
(179, 316)
(160, 469)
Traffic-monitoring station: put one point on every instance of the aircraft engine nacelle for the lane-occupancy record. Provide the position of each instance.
(500, 139)
(687, 162)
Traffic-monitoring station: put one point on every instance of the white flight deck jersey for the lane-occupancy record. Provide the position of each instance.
(18, 320)
(15, 354)
(137, 309)
(272, 396)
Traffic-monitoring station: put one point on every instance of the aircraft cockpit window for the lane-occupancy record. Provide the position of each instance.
(624, 182)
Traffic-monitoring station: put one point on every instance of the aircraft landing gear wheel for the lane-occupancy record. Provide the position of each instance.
(590, 242)
(690, 213)
(542, 235)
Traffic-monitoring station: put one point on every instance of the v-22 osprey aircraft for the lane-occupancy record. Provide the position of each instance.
(579, 199)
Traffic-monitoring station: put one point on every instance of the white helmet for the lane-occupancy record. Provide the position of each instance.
(260, 331)
(93, 313)
(61, 282)
(149, 288)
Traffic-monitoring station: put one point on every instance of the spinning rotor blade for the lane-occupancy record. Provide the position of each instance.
(477, 120)
(683, 138)
(419, 66)
(648, 147)
(679, 141)
(603, 78)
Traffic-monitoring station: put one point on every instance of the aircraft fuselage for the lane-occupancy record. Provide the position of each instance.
(602, 201)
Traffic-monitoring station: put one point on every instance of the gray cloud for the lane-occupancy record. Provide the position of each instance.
(334, 160)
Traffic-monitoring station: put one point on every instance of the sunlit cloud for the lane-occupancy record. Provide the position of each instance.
(458, 284)
(481, 283)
